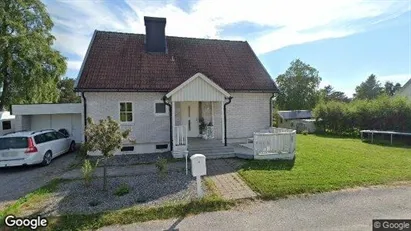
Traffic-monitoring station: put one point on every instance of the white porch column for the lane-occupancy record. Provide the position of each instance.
(222, 120)
(173, 121)
(212, 118)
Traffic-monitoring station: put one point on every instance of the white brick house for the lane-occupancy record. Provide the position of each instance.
(162, 88)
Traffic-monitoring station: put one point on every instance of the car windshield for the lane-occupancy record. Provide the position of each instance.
(13, 143)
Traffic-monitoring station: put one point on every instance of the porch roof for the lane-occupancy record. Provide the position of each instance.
(198, 88)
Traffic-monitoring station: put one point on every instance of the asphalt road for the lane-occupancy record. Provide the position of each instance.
(16, 182)
(344, 210)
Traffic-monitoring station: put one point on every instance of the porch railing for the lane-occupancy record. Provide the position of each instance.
(180, 135)
(276, 141)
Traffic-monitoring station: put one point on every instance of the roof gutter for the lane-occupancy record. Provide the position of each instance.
(271, 110)
(225, 119)
(171, 121)
(84, 114)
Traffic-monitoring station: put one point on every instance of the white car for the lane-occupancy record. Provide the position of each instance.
(34, 147)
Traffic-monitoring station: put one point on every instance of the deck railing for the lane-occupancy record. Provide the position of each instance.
(180, 135)
(275, 141)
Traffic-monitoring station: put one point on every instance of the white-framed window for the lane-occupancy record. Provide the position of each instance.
(160, 108)
(126, 112)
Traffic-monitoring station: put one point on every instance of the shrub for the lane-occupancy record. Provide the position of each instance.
(88, 170)
(305, 132)
(161, 165)
(383, 113)
(122, 190)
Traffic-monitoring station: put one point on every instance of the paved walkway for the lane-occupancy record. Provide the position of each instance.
(226, 179)
(343, 210)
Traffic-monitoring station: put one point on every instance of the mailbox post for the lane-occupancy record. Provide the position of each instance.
(198, 169)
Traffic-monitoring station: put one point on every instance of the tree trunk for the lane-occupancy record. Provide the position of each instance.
(104, 176)
(6, 65)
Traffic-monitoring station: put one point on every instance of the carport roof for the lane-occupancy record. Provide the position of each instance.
(45, 109)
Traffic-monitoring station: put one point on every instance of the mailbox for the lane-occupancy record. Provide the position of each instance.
(198, 165)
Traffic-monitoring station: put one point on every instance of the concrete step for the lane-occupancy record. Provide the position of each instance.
(244, 156)
(219, 155)
(219, 145)
(211, 149)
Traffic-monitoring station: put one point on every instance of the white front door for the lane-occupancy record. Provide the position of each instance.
(189, 117)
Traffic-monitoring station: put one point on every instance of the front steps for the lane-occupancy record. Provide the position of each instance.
(212, 149)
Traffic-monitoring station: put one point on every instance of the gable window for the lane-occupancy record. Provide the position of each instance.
(160, 108)
(126, 112)
(6, 125)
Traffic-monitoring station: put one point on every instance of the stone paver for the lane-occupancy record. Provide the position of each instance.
(227, 181)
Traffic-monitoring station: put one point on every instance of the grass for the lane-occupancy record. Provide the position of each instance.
(136, 214)
(123, 216)
(122, 190)
(328, 163)
(31, 200)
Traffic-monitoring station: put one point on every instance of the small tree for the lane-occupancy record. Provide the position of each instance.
(105, 137)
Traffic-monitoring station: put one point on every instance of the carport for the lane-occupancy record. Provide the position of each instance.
(45, 116)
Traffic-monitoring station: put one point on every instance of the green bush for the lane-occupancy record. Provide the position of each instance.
(383, 113)
(88, 170)
(122, 190)
(161, 165)
(305, 132)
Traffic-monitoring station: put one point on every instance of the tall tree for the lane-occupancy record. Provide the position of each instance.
(370, 89)
(298, 87)
(329, 94)
(29, 67)
(390, 89)
(67, 94)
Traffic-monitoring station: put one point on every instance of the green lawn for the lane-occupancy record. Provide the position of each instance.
(327, 163)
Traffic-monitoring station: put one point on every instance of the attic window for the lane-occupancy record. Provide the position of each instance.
(160, 108)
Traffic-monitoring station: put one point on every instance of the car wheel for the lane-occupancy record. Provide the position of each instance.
(47, 158)
(72, 147)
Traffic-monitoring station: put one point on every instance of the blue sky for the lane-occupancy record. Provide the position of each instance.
(346, 40)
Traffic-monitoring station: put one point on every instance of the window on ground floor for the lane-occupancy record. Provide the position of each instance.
(6, 125)
(126, 112)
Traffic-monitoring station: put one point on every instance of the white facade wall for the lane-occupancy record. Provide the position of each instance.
(247, 113)
(147, 128)
(22, 122)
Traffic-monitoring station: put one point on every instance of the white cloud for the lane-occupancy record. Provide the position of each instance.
(291, 22)
(74, 65)
(398, 78)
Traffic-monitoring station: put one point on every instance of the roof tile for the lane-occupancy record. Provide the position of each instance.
(118, 61)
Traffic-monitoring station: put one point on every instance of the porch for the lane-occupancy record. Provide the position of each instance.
(197, 118)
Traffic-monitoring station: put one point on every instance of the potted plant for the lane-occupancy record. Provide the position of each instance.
(202, 125)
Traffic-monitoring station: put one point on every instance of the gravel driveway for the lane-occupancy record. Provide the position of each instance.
(16, 182)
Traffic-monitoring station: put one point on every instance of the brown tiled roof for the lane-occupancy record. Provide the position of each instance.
(118, 62)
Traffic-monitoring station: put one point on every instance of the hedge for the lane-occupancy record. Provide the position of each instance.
(384, 113)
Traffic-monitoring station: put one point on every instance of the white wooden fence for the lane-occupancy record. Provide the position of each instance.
(180, 135)
(275, 141)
